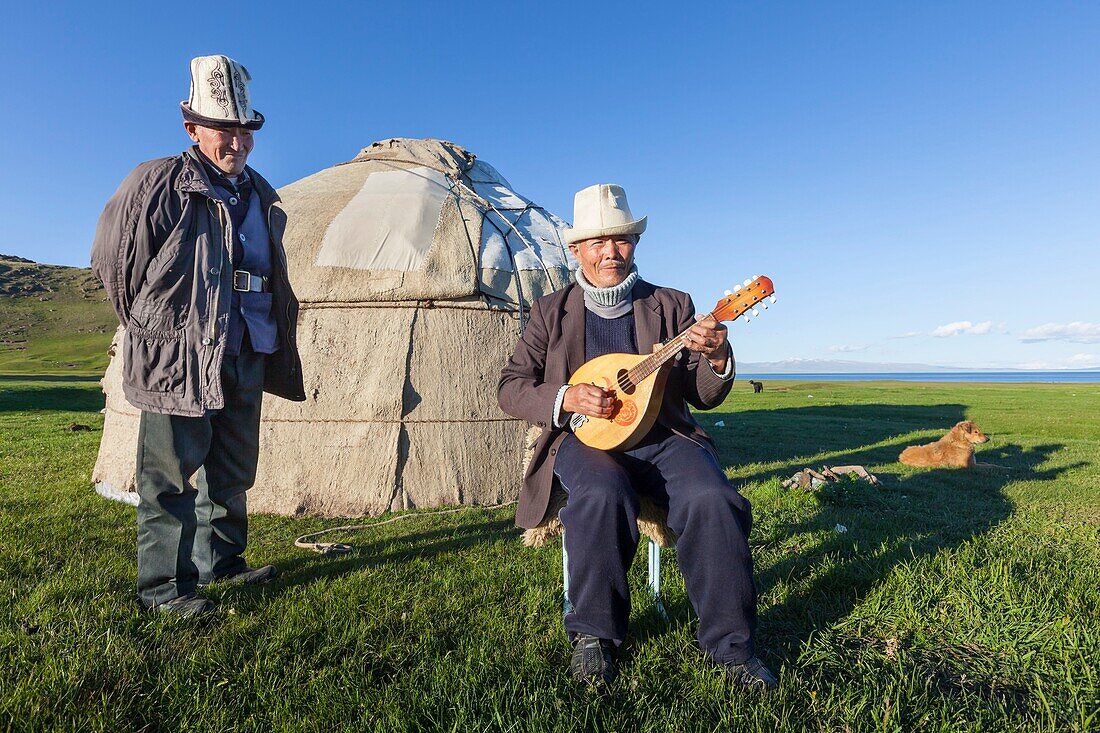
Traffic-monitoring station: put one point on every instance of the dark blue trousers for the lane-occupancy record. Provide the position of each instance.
(710, 517)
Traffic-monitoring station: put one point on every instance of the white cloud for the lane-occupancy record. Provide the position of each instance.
(959, 328)
(956, 328)
(1077, 332)
(1077, 361)
(846, 348)
(1084, 361)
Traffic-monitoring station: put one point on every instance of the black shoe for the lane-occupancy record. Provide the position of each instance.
(593, 661)
(752, 675)
(249, 576)
(187, 606)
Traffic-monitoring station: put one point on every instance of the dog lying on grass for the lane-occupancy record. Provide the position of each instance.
(954, 450)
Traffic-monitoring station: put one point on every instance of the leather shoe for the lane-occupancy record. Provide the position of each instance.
(752, 675)
(593, 661)
(186, 606)
(249, 576)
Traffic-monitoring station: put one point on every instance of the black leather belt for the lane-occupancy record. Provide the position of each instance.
(246, 282)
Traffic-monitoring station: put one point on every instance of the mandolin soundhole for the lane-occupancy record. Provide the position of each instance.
(624, 382)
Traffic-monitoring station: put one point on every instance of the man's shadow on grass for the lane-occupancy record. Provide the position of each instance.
(49, 394)
(914, 512)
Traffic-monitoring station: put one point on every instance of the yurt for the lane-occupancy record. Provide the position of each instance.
(415, 264)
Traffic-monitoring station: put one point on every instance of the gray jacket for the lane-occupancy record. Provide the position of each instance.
(161, 251)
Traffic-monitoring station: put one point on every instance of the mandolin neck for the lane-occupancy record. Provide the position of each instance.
(660, 357)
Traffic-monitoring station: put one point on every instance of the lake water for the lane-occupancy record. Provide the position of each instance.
(1020, 376)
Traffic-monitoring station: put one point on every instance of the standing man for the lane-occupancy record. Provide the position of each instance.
(610, 309)
(190, 251)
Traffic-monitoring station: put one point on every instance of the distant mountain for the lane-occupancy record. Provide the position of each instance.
(836, 366)
(840, 366)
(53, 319)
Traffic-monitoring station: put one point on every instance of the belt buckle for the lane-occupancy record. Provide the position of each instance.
(242, 281)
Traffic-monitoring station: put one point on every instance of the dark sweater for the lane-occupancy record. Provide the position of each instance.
(609, 335)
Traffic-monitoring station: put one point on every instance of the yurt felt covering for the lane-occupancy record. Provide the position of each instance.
(415, 264)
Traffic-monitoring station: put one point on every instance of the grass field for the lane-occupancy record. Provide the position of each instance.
(954, 601)
(53, 319)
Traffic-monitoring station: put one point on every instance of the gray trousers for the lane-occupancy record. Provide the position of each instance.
(192, 533)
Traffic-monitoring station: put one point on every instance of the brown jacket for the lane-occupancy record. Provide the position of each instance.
(161, 252)
(552, 348)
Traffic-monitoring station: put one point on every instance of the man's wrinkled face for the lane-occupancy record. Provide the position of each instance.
(605, 261)
(227, 149)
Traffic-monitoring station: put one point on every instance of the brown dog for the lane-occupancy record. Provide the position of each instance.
(954, 450)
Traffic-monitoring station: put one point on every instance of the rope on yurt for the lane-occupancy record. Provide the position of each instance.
(515, 269)
(511, 255)
(529, 245)
(338, 548)
(475, 250)
(477, 200)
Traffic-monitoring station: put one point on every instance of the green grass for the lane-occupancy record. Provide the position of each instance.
(955, 601)
(53, 320)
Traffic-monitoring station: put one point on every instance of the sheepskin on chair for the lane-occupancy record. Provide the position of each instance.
(652, 519)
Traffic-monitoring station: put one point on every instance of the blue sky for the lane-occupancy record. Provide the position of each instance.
(921, 180)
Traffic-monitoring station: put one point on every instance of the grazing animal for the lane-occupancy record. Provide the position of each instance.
(954, 450)
(757, 387)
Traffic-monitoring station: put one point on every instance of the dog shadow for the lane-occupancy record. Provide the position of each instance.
(913, 513)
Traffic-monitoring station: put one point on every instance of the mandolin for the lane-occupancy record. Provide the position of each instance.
(638, 380)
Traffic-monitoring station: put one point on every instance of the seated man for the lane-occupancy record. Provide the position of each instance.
(610, 309)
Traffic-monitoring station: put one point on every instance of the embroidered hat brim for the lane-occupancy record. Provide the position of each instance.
(189, 115)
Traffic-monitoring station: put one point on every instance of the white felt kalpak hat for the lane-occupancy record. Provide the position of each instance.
(602, 211)
(219, 95)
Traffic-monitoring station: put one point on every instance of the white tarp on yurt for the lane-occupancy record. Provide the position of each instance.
(415, 264)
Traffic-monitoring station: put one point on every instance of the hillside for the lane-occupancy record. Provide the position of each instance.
(53, 319)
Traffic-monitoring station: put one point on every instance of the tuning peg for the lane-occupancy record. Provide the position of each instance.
(764, 305)
(772, 298)
(746, 319)
(736, 288)
(728, 292)
(755, 312)
(747, 283)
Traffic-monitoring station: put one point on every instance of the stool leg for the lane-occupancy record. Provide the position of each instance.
(655, 578)
(567, 607)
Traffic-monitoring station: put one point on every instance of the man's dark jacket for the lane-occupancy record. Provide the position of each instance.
(162, 252)
(552, 348)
